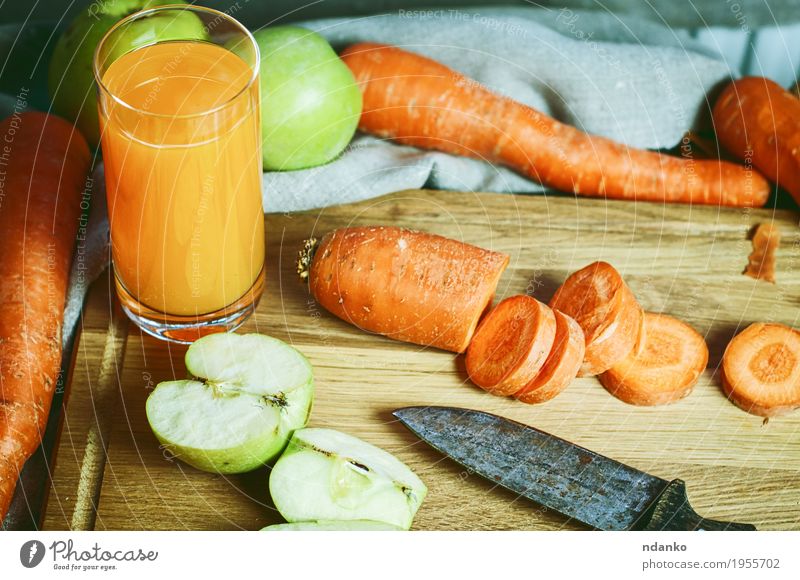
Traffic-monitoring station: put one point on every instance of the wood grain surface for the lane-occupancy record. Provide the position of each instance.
(685, 261)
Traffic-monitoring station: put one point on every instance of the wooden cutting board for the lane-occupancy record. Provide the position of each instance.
(686, 261)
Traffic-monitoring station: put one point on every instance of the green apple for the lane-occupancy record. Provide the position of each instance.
(71, 80)
(310, 102)
(333, 526)
(329, 475)
(248, 394)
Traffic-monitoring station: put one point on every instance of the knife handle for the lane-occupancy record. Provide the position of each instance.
(672, 511)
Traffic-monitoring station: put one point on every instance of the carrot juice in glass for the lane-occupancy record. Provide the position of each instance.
(178, 101)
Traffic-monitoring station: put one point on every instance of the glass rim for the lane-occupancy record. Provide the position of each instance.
(164, 8)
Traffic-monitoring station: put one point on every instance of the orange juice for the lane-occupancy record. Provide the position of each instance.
(182, 152)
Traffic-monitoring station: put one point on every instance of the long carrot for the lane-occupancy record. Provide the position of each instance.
(43, 171)
(598, 299)
(664, 368)
(758, 121)
(761, 369)
(420, 102)
(404, 284)
(511, 345)
(562, 364)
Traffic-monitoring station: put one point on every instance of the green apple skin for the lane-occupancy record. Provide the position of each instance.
(334, 526)
(263, 436)
(248, 394)
(310, 102)
(70, 77)
(328, 475)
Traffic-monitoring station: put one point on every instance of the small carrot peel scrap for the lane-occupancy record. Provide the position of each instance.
(761, 262)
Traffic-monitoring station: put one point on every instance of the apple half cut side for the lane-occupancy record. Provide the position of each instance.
(334, 526)
(248, 394)
(329, 475)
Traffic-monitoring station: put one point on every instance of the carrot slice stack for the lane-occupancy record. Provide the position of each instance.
(605, 308)
(761, 369)
(511, 345)
(664, 368)
(562, 364)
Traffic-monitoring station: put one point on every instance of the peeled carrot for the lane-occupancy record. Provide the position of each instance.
(761, 369)
(562, 364)
(602, 304)
(761, 261)
(758, 121)
(511, 345)
(665, 367)
(417, 101)
(45, 165)
(404, 284)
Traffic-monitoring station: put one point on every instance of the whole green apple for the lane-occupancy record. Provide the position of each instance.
(71, 80)
(310, 102)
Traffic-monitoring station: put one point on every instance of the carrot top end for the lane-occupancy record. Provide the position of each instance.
(305, 257)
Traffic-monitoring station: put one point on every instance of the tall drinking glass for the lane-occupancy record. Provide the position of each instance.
(178, 101)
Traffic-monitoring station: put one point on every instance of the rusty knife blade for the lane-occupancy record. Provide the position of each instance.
(580, 484)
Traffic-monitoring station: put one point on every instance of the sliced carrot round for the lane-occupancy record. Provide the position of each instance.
(511, 345)
(761, 369)
(605, 308)
(561, 366)
(663, 368)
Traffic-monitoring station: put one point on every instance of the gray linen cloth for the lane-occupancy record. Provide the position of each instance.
(629, 79)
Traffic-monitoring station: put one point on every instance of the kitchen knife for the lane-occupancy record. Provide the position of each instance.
(580, 484)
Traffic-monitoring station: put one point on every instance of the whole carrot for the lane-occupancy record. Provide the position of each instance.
(43, 165)
(419, 102)
(758, 120)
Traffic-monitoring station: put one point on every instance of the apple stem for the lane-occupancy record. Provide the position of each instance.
(305, 257)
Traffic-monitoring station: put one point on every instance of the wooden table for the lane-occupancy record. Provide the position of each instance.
(686, 261)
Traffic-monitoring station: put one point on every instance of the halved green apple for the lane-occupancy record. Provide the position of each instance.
(328, 475)
(333, 526)
(250, 392)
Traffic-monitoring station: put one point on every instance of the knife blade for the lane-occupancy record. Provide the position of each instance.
(595, 490)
